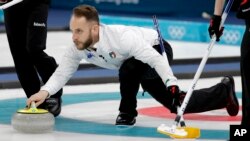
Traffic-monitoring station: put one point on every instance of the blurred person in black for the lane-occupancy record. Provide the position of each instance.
(244, 14)
(26, 28)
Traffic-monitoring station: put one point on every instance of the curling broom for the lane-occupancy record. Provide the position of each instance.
(188, 132)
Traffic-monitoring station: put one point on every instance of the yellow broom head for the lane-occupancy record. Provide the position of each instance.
(180, 132)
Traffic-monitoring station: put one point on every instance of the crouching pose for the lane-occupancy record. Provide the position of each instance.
(134, 51)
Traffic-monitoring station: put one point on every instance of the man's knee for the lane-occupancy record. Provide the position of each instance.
(130, 67)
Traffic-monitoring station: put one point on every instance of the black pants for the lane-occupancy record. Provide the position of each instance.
(134, 72)
(26, 27)
(245, 74)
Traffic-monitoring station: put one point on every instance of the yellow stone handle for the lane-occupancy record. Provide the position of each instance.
(33, 108)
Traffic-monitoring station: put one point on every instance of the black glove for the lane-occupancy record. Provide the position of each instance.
(175, 93)
(214, 27)
(2, 2)
(244, 10)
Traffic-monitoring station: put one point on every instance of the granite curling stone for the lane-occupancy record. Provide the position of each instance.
(33, 120)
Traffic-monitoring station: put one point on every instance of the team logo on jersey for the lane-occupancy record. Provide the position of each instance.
(39, 24)
(112, 54)
(89, 55)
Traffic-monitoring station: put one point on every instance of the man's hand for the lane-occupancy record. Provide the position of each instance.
(244, 10)
(3, 1)
(38, 98)
(175, 93)
(214, 27)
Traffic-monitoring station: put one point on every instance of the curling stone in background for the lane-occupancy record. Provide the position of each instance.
(33, 120)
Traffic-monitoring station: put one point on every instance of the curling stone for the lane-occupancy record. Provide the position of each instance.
(33, 120)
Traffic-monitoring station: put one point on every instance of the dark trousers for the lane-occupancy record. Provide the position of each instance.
(134, 73)
(245, 74)
(26, 27)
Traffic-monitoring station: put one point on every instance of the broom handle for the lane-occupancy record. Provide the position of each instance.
(163, 52)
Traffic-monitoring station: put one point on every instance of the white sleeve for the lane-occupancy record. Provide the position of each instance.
(67, 67)
(144, 52)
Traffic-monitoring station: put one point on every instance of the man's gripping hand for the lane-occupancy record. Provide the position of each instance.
(175, 93)
(214, 27)
(244, 10)
(38, 98)
(3, 1)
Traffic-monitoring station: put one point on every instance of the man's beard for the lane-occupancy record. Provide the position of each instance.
(85, 45)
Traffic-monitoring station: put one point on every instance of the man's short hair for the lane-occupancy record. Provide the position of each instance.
(87, 11)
